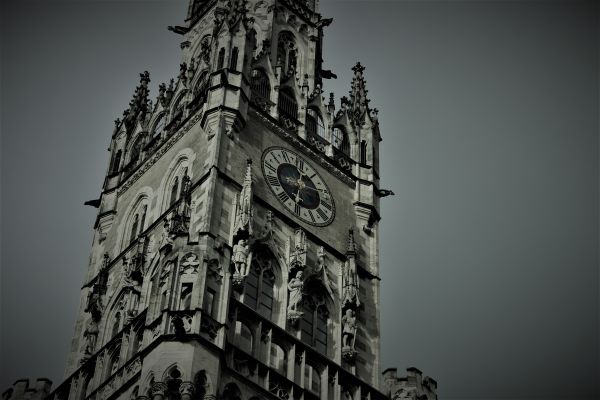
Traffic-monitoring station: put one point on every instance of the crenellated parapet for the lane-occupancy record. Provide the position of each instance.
(21, 390)
(413, 386)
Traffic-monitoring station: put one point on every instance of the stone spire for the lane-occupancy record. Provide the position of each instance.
(139, 104)
(358, 103)
(351, 244)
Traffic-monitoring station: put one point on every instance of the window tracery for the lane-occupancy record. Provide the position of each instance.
(287, 53)
(259, 289)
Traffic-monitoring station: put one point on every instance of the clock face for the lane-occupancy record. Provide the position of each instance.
(298, 186)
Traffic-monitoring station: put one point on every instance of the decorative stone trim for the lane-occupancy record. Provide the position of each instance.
(156, 156)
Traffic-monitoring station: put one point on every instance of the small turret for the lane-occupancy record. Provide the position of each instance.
(412, 386)
(21, 390)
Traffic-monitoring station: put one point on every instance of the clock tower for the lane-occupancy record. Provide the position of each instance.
(235, 253)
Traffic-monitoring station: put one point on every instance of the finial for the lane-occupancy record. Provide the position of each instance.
(358, 68)
(351, 246)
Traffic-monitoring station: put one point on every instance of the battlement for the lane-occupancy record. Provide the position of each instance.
(413, 386)
(21, 390)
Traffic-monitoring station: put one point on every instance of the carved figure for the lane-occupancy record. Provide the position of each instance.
(241, 255)
(295, 287)
(350, 286)
(91, 334)
(349, 327)
(243, 214)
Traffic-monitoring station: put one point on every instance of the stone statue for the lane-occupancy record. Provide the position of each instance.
(295, 287)
(349, 327)
(350, 285)
(244, 211)
(91, 334)
(241, 258)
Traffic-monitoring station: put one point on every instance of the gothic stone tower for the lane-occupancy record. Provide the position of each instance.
(235, 253)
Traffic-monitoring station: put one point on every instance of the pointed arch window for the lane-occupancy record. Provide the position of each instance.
(173, 382)
(136, 150)
(244, 338)
(116, 327)
(174, 191)
(312, 379)
(259, 81)
(134, 228)
(340, 140)
(159, 126)
(287, 53)
(363, 152)
(143, 220)
(221, 58)
(314, 123)
(278, 359)
(202, 87)
(116, 162)
(314, 326)
(234, 59)
(259, 290)
(287, 105)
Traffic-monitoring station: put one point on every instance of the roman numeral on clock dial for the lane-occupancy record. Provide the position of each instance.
(298, 186)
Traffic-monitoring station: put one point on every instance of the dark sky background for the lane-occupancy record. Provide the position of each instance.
(489, 114)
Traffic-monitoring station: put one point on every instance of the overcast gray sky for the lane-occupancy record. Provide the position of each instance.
(489, 114)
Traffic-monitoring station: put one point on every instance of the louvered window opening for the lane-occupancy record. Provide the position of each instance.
(287, 105)
(260, 84)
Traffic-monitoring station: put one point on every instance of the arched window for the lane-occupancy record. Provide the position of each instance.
(159, 125)
(363, 152)
(185, 299)
(243, 337)
(136, 150)
(312, 379)
(173, 382)
(259, 290)
(278, 359)
(174, 191)
(314, 326)
(314, 123)
(260, 83)
(143, 220)
(113, 364)
(221, 59)
(116, 162)
(287, 52)
(201, 87)
(231, 392)
(116, 327)
(340, 140)
(287, 105)
(134, 228)
(234, 59)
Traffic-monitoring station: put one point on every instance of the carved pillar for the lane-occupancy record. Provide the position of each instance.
(186, 389)
(158, 390)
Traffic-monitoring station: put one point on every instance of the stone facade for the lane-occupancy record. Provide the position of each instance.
(235, 253)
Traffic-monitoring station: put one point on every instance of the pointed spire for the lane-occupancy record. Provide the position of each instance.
(359, 104)
(351, 245)
(139, 104)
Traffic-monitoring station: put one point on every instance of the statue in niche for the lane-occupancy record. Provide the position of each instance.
(244, 211)
(295, 287)
(349, 329)
(350, 285)
(91, 334)
(242, 258)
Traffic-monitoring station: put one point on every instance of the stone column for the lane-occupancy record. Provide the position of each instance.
(158, 390)
(186, 389)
